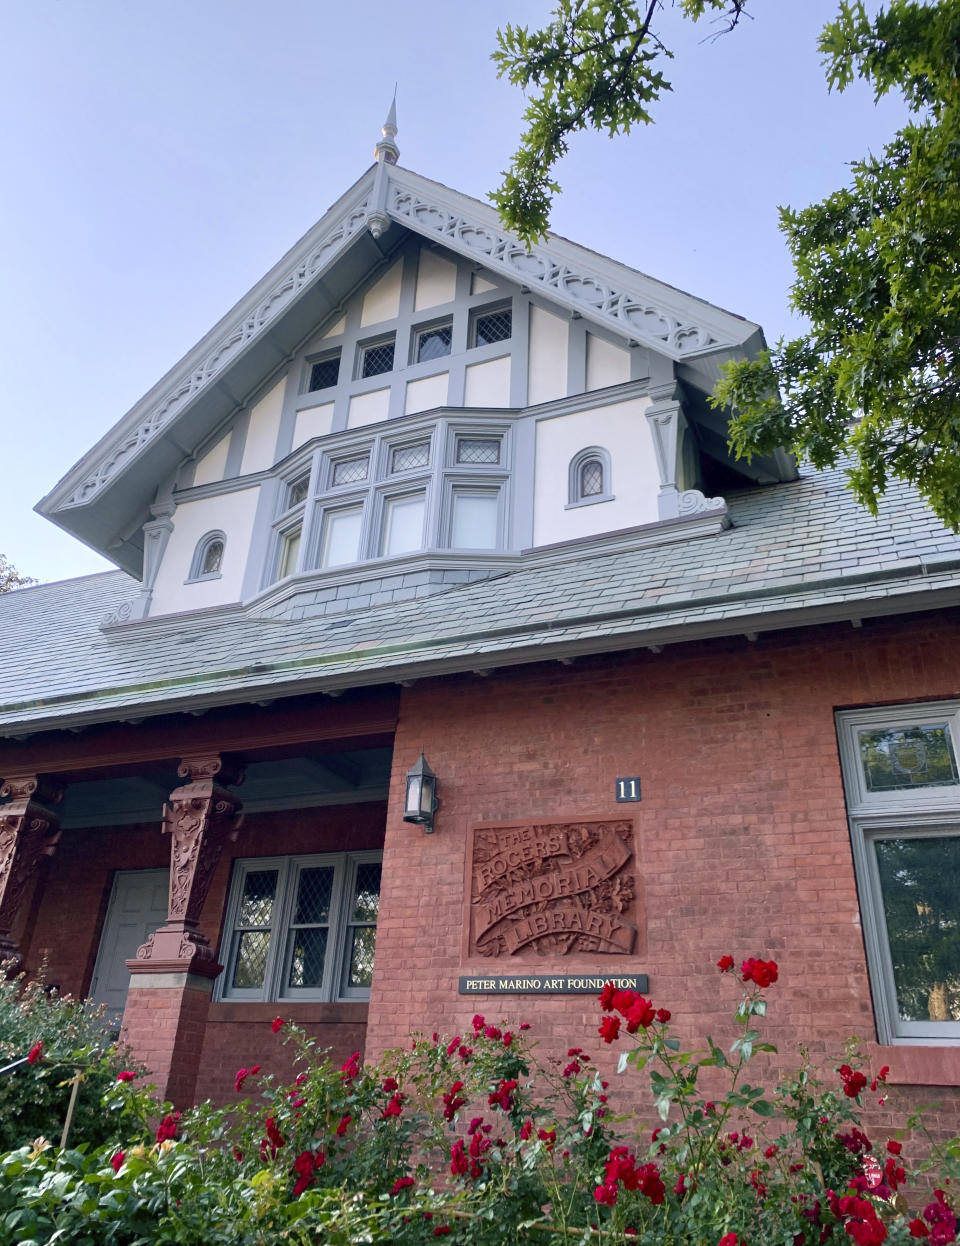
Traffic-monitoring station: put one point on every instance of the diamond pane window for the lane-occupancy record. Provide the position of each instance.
(298, 491)
(376, 359)
(433, 343)
(349, 471)
(591, 478)
(325, 372)
(405, 458)
(212, 558)
(305, 927)
(478, 449)
(493, 327)
(902, 758)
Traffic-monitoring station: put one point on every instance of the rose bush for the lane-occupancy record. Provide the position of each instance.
(470, 1138)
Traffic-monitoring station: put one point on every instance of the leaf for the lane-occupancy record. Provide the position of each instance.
(763, 1107)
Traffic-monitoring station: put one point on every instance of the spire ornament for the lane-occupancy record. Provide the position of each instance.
(386, 150)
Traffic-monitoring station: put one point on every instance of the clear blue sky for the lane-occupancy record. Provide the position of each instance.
(160, 157)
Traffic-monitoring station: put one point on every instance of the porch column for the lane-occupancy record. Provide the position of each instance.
(29, 830)
(173, 972)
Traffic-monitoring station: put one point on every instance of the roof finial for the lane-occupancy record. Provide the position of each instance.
(387, 151)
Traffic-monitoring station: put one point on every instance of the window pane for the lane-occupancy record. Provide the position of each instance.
(341, 537)
(251, 959)
(377, 359)
(361, 956)
(313, 896)
(900, 758)
(920, 886)
(478, 450)
(349, 471)
(403, 525)
(212, 558)
(298, 491)
(494, 327)
(289, 552)
(474, 521)
(434, 343)
(324, 373)
(591, 478)
(256, 904)
(307, 953)
(406, 457)
(366, 903)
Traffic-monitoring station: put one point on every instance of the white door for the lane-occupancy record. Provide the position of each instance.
(138, 905)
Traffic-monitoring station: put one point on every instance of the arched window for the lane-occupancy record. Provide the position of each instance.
(208, 557)
(589, 477)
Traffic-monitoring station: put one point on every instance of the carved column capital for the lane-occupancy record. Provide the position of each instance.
(29, 830)
(200, 817)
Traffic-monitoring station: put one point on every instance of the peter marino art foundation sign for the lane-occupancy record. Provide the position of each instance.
(553, 889)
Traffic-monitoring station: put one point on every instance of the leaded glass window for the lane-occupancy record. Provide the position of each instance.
(350, 471)
(376, 358)
(478, 449)
(302, 926)
(591, 478)
(490, 327)
(432, 343)
(406, 458)
(325, 373)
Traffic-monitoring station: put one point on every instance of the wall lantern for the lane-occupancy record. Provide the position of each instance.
(421, 800)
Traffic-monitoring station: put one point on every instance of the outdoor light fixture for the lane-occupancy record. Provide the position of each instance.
(421, 801)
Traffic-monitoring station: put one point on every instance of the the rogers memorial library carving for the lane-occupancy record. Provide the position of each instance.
(550, 889)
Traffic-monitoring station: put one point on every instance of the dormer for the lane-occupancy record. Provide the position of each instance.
(409, 400)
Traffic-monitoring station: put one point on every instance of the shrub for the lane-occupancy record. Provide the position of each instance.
(68, 1038)
(472, 1139)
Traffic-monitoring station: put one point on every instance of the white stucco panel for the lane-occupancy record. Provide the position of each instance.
(547, 376)
(436, 281)
(213, 464)
(368, 408)
(382, 300)
(230, 513)
(312, 422)
(480, 285)
(261, 444)
(623, 431)
(488, 384)
(425, 394)
(336, 329)
(606, 364)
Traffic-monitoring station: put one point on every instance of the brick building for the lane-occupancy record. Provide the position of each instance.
(425, 493)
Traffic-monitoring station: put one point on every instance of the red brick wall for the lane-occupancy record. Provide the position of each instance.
(742, 836)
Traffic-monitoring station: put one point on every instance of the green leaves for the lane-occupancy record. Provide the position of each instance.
(877, 378)
(597, 65)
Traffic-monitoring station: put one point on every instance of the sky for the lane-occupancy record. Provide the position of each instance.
(159, 158)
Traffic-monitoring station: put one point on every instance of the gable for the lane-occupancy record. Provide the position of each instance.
(105, 499)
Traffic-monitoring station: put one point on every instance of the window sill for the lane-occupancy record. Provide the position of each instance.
(204, 579)
(591, 501)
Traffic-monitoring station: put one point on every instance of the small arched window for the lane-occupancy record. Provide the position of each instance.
(208, 557)
(589, 477)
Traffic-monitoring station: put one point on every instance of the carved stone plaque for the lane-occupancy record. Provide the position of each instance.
(551, 889)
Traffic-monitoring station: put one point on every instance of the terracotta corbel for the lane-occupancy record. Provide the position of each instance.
(29, 830)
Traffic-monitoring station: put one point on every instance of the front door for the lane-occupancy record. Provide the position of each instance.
(138, 905)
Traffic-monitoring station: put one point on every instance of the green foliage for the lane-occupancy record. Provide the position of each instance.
(597, 65)
(878, 375)
(34, 1097)
(474, 1140)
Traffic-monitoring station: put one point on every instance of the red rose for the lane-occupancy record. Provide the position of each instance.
(609, 1028)
(548, 1136)
(342, 1127)
(894, 1147)
(393, 1108)
(390, 1085)
(501, 1096)
(35, 1055)
(606, 1194)
(663, 1015)
(725, 964)
(276, 1024)
(402, 1183)
(918, 1229)
(729, 1239)
(350, 1067)
(117, 1160)
(507, 1039)
(167, 1129)
(526, 1129)
(126, 1076)
(762, 972)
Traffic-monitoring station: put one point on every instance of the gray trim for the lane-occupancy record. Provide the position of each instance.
(236, 484)
(238, 440)
(196, 573)
(576, 355)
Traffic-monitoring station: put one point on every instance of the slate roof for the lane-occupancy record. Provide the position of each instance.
(798, 553)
